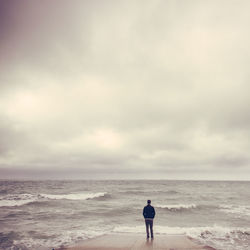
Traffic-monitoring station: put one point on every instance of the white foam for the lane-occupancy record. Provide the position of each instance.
(190, 231)
(13, 203)
(176, 206)
(222, 237)
(240, 209)
(17, 200)
(76, 196)
(22, 199)
(65, 238)
(215, 236)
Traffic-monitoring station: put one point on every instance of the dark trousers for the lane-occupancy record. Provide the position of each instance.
(149, 224)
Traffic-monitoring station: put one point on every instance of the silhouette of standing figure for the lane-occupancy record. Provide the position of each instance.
(149, 214)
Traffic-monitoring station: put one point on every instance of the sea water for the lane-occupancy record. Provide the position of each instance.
(49, 214)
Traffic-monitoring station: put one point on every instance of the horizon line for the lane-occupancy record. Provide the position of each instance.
(116, 179)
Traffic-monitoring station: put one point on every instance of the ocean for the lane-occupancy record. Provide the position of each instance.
(49, 214)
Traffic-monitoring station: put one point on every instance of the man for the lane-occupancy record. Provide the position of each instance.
(149, 214)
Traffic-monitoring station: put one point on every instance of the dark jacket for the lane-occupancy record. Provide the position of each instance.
(149, 212)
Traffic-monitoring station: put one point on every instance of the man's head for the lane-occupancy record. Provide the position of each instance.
(149, 202)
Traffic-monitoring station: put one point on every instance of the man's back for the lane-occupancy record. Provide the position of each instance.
(149, 212)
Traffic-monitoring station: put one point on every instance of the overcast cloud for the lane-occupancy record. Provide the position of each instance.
(125, 89)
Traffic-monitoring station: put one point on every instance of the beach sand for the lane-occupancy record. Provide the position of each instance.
(125, 241)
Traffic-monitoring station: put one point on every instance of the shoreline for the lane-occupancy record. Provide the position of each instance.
(137, 241)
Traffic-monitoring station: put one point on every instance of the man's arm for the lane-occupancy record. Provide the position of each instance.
(153, 212)
(144, 212)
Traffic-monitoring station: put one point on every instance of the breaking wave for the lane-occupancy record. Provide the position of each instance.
(177, 207)
(17, 200)
(240, 210)
(65, 238)
(78, 196)
(23, 199)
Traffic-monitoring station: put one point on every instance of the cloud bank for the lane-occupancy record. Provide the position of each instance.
(117, 89)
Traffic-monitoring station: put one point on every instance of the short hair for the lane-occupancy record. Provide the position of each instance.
(149, 201)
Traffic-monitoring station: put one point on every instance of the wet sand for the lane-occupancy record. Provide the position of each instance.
(125, 241)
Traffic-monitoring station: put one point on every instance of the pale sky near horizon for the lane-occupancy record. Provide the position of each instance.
(125, 89)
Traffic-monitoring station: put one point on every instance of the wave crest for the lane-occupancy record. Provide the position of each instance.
(24, 199)
(17, 200)
(236, 209)
(76, 196)
(176, 207)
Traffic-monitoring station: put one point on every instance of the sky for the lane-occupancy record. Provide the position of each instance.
(125, 89)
